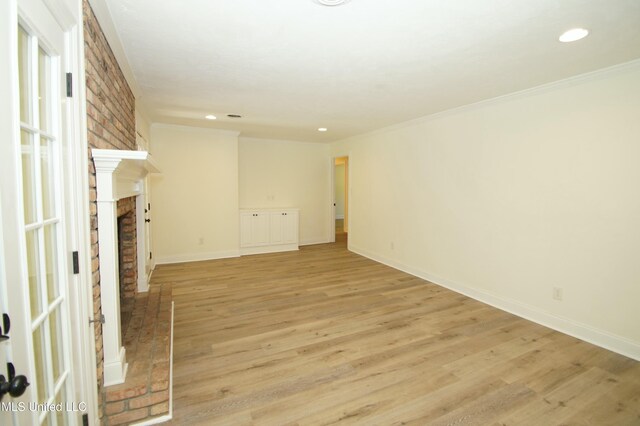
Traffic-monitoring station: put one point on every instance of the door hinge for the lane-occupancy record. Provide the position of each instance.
(100, 319)
(6, 326)
(150, 255)
(76, 263)
(69, 85)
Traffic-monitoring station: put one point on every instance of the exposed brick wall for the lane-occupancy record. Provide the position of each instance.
(110, 102)
(111, 125)
(127, 238)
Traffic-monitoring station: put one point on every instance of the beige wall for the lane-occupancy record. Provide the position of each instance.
(143, 131)
(507, 199)
(195, 199)
(276, 173)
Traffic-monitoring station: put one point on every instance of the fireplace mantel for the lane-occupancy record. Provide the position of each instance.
(123, 172)
(119, 174)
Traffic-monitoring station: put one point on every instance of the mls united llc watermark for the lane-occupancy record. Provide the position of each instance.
(33, 406)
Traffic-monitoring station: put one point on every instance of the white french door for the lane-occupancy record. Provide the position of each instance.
(35, 268)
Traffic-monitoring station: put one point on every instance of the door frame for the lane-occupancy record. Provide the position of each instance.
(347, 194)
(143, 221)
(69, 16)
(81, 293)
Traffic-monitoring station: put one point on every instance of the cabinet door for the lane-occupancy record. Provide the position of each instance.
(290, 227)
(246, 239)
(276, 225)
(260, 229)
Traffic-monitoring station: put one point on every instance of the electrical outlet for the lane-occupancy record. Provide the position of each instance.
(557, 293)
(200, 241)
(392, 245)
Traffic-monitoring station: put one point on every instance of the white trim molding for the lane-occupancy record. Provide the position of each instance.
(197, 257)
(544, 88)
(122, 172)
(119, 174)
(246, 251)
(573, 328)
(315, 241)
(70, 16)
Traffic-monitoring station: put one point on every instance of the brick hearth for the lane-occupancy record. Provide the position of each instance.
(147, 339)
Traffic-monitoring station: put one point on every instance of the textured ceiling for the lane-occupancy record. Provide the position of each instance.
(291, 66)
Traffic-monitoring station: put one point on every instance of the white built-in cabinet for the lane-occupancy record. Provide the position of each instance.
(268, 230)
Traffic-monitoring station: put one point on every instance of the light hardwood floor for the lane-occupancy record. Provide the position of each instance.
(324, 336)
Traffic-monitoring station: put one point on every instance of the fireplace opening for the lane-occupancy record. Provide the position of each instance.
(127, 260)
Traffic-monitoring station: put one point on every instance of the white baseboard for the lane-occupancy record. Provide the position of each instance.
(197, 257)
(573, 328)
(314, 241)
(339, 216)
(245, 251)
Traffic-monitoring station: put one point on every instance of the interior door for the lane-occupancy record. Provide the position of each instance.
(147, 228)
(146, 207)
(34, 275)
(5, 415)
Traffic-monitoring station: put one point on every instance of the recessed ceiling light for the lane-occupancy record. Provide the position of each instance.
(331, 2)
(573, 35)
(210, 117)
(234, 116)
(322, 129)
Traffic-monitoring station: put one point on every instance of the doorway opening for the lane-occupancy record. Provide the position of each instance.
(341, 198)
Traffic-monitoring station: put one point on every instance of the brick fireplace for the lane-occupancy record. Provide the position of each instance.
(138, 320)
(119, 194)
(127, 259)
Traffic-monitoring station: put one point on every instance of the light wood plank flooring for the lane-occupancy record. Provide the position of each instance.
(323, 336)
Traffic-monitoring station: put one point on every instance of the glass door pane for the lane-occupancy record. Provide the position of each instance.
(40, 114)
(28, 176)
(47, 159)
(44, 90)
(41, 365)
(24, 75)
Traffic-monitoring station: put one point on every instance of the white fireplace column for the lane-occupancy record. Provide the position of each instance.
(119, 174)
